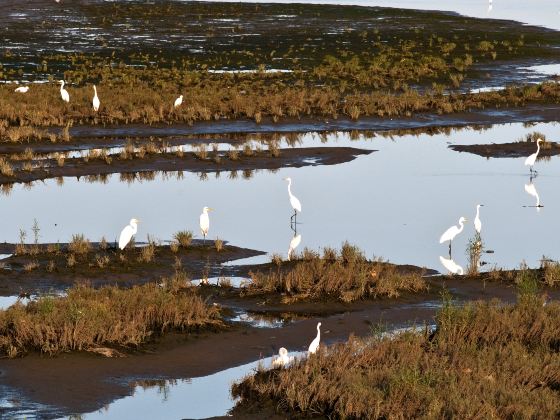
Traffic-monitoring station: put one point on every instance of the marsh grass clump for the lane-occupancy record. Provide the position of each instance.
(218, 244)
(345, 275)
(79, 244)
(108, 316)
(480, 358)
(147, 253)
(183, 238)
(551, 272)
(474, 251)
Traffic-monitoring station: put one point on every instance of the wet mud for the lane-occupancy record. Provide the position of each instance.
(508, 150)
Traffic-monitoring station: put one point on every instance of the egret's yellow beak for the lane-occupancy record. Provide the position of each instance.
(210, 209)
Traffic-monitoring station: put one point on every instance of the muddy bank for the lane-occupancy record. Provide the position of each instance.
(508, 150)
(88, 382)
(488, 116)
(51, 270)
(188, 162)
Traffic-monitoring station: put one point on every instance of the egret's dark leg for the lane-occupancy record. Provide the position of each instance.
(449, 249)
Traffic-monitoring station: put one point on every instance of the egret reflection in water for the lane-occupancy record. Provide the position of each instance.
(294, 243)
(451, 265)
(532, 191)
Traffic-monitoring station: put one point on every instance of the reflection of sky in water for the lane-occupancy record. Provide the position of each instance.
(203, 397)
(394, 203)
(534, 12)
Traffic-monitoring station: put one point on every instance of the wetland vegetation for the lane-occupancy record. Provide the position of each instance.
(492, 359)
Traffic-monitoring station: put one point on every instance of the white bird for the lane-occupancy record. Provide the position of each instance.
(532, 191)
(315, 343)
(282, 359)
(296, 205)
(294, 243)
(490, 6)
(477, 222)
(530, 161)
(95, 101)
(63, 92)
(453, 231)
(178, 101)
(205, 222)
(127, 233)
(451, 266)
(22, 89)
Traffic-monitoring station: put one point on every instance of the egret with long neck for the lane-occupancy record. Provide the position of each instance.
(295, 203)
(477, 222)
(127, 233)
(205, 222)
(64, 93)
(95, 101)
(314, 346)
(530, 161)
(453, 231)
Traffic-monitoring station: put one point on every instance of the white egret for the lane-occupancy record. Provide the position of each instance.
(530, 161)
(205, 222)
(453, 231)
(315, 343)
(296, 205)
(282, 359)
(490, 6)
(451, 266)
(22, 89)
(178, 101)
(477, 222)
(294, 243)
(63, 92)
(127, 233)
(95, 101)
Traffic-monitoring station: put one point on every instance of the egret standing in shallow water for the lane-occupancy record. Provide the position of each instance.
(127, 233)
(64, 93)
(282, 359)
(477, 222)
(296, 205)
(450, 233)
(205, 222)
(95, 101)
(530, 161)
(178, 101)
(315, 343)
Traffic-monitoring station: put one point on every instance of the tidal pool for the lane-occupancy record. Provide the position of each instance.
(394, 203)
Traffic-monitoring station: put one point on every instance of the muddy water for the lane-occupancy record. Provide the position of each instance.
(394, 203)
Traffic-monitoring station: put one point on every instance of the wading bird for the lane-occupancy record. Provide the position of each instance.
(282, 359)
(22, 89)
(63, 92)
(205, 222)
(178, 101)
(477, 222)
(315, 343)
(127, 233)
(296, 205)
(450, 233)
(451, 265)
(95, 101)
(530, 161)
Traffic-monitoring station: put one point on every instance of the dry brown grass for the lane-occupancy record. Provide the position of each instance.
(486, 360)
(184, 238)
(79, 244)
(108, 316)
(344, 275)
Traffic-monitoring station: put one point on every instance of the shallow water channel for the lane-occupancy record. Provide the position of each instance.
(394, 203)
